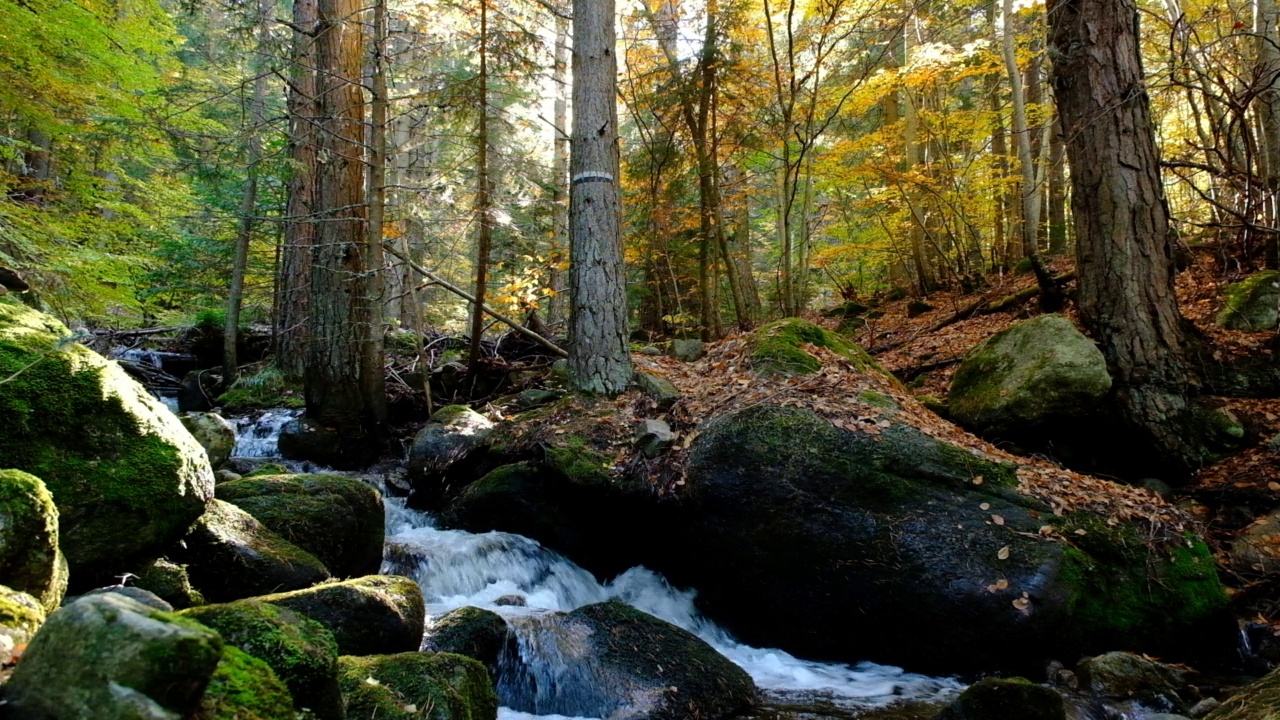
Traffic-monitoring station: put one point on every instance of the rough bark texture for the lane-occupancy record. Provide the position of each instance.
(599, 359)
(344, 378)
(1124, 252)
(293, 297)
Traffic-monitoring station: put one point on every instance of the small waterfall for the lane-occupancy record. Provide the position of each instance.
(542, 677)
(258, 436)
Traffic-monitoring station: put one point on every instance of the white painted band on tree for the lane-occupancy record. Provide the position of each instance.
(587, 177)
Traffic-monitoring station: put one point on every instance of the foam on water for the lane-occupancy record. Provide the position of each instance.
(258, 435)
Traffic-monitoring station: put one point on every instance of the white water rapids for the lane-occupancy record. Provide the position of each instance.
(457, 568)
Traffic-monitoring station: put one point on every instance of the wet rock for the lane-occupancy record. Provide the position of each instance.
(403, 686)
(511, 601)
(654, 437)
(471, 631)
(136, 594)
(106, 656)
(230, 555)
(611, 660)
(126, 476)
(30, 560)
(1035, 374)
(688, 350)
(1000, 699)
(1126, 675)
(308, 439)
(662, 390)
(1253, 304)
(379, 614)
(300, 651)
(214, 434)
(338, 519)
(450, 437)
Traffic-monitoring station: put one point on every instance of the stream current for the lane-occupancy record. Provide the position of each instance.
(491, 570)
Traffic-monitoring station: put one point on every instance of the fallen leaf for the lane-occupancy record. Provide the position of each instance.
(997, 519)
(985, 506)
(1273, 486)
(1023, 604)
(1082, 532)
(1003, 554)
(977, 480)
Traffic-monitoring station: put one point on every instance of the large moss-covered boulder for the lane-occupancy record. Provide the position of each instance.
(471, 631)
(110, 658)
(21, 615)
(244, 688)
(30, 560)
(230, 555)
(213, 432)
(884, 545)
(781, 348)
(1252, 304)
(1039, 373)
(170, 582)
(619, 662)
(300, 651)
(338, 519)
(375, 615)
(1006, 699)
(451, 438)
(408, 686)
(127, 477)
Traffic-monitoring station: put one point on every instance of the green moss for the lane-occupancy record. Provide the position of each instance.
(30, 560)
(170, 582)
(367, 616)
(579, 463)
(20, 616)
(470, 631)
(1247, 304)
(1121, 587)
(299, 650)
(450, 413)
(266, 389)
(269, 469)
(124, 473)
(1006, 699)
(440, 686)
(878, 400)
(244, 688)
(778, 348)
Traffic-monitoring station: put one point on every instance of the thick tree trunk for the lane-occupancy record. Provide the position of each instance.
(344, 379)
(293, 295)
(599, 358)
(1124, 252)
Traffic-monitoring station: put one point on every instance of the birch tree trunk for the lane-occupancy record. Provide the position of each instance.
(599, 359)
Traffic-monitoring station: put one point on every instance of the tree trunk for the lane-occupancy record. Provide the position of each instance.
(1124, 252)
(293, 296)
(1057, 189)
(249, 203)
(377, 188)
(556, 308)
(484, 213)
(913, 156)
(345, 378)
(1266, 16)
(599, 358)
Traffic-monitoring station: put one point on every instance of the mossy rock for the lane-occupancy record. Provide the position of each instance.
(213, 432)
(106, 656)
(778, 348)
(1006, 699)
(374, 615)
(169, 581)
(1034, 374)
(30, 560)
(1126, 675)
(450, 440)
(1253, 304)
(266, 469)
(415, 686)
(1259, 701)
(301, 652)
(900, 525)
(338, 519)
(21, 615)
(475, 632)
(230, 556)
(265, 390)
(244, 688)
(125, 474)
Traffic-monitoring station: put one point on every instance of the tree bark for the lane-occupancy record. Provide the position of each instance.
(483, 210)
(556, 308)
(1057, 189)
(1124, 252)
(293, 296)
(345, 379)
(599, 358)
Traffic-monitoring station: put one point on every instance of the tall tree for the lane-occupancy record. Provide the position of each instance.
(344, 380)
(599, 359)
(1124, 250)
(483, 202)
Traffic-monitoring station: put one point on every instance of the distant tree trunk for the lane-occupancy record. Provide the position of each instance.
(484, 211)
(556, 308)
(913, 156)
(1057, 189)
(249, 203)
(345, 378)
(599, 358)
(293, 297)
(377, 190)
(1124, 252)
(1266, 17)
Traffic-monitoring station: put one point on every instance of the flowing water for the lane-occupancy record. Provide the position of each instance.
(493, 570)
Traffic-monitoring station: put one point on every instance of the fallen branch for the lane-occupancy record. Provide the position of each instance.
(556, 349)
(139, 333)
